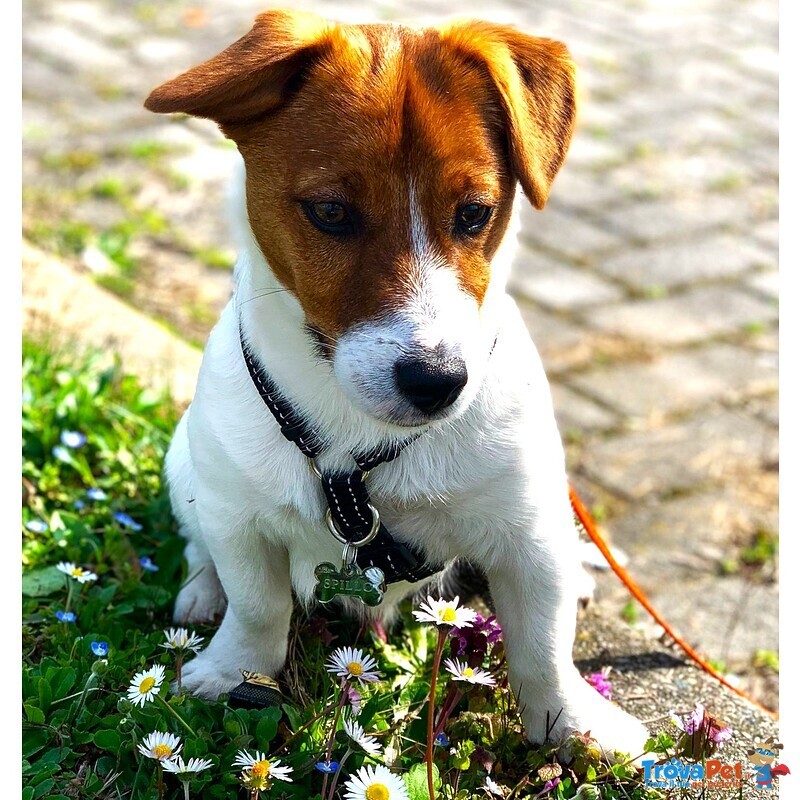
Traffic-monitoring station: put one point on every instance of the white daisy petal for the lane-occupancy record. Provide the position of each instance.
(375, 783)
(182, 639)
(257, 768)
(177, 764)
(356, 733)
(351, 663)
(445, 612)
(461, 671)
(145, 685)
(493, 788)
(160, 746)
(75, 572)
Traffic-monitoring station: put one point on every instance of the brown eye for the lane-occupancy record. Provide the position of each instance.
(472, 217)
(329, 217)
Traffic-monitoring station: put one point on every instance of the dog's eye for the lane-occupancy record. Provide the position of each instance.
(329, 216)
(472, 218)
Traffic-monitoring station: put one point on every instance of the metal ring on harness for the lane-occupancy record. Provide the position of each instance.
(339, 536)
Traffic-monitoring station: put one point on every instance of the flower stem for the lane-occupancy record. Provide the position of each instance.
(453, 698)
(338, 773)
(176, 715)
(431, 703)
(178, 665)
(160, 781)
(186, 790)
(339, 707)
(69, 596)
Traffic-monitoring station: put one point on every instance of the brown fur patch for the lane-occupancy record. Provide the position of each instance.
(359, 115)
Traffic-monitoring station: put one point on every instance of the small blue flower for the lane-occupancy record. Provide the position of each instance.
(65, 616)
(327, 766)
(127, 521)
(62, 454)
(100, 649)
(73, 439)
(147, 564)
(27, 397)
(441, 741)
(96, 494)
(37, 526)
(78, 505)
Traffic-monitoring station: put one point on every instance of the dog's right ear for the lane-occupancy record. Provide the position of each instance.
(252, 76)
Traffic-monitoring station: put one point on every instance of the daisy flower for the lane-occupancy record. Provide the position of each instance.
(257, 768)
(445, 612)
(177, 765)
(461, 672)
(348, 662)
(492, 787)
(375, 783)
(181, 639)
(160, 746)
(356, 733)
(145, 685)
(76, 573)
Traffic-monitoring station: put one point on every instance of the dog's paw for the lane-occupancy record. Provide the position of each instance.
(202, 599)
(205, 677)
(586, 588)
(620, 736)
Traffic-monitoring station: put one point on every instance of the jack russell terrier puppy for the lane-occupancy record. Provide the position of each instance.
(370, 331)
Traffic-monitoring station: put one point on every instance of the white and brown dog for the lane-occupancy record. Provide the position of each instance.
(377, 226)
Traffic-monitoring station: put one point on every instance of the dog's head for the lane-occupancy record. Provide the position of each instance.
(381, 167)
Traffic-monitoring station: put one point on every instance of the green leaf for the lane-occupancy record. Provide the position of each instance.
(266, 730)
(27, 793)
(107, 740)
(416, 780)
(43, 788)
(61, 681)
(42, 582)
(33, 714)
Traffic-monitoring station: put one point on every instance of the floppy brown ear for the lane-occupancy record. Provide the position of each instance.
(535, 80)
(251, 76)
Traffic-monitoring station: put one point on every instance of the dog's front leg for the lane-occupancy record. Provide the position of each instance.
(533, 584)
(254, 632)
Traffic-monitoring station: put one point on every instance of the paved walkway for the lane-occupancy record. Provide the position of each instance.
(649, 283)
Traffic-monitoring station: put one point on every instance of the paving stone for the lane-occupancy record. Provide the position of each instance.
(577, 415)
(63, 44)
(676, 218)
(766, 283)
(767, 233)
(681, 456)
(556, 285)
(684, 318)
(680, 381)
(565, 234)
(574, 188)
(668, 265)
(561, 344)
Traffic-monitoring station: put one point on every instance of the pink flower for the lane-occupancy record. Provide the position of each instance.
(702, 732)
(600, 682)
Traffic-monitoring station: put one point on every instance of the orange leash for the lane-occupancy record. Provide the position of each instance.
(591, 529)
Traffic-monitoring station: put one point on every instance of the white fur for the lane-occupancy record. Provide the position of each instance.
(488, 483)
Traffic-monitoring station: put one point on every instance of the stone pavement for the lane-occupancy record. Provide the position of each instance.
(649, 283)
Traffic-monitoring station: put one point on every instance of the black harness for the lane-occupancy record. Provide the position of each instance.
(351, 517)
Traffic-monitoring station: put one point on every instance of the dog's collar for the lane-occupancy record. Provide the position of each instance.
(351, 517)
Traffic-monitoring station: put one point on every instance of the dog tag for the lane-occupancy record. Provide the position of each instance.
(349, 581)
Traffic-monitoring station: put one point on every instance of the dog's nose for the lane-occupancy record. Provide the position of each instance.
(431, 382)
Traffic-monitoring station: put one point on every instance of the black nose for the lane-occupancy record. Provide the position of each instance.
(431, 383)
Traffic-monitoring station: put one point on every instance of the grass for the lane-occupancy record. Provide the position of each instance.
(80, 730)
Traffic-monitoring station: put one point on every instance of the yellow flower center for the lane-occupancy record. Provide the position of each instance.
(468, 672)
(377, 791)
(77, 572)
(447, 615)
(162, 751)
(354, 668)
(146, 685)
(260, 769)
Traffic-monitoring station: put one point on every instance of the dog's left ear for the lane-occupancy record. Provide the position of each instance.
(535, 80)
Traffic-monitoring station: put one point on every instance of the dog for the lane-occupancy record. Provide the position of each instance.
(376, 216)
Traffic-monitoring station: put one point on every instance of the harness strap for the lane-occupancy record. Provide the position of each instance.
(346, 492)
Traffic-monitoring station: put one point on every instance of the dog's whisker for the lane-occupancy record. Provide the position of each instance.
(260, 296)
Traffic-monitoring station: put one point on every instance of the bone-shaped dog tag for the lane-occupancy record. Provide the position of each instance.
(349, 581)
